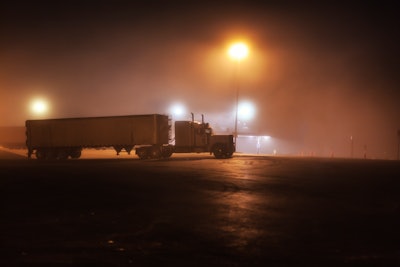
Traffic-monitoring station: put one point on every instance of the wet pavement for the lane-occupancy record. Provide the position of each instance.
(194, 210)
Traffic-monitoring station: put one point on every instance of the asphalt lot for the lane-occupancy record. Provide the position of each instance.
(194, 210)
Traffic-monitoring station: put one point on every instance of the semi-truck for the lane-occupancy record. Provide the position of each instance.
(149, 135)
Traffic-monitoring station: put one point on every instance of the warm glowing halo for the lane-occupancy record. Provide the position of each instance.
(246, 111)
(39, 106)
(177, 110)
(238, 51)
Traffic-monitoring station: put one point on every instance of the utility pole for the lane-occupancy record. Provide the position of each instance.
(237, 52)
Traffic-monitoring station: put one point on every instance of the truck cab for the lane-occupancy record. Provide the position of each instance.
(193, 136)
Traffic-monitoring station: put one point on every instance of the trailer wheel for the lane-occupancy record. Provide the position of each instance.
(75, 153)
(40, 154)
(155, 152)
(167, 152)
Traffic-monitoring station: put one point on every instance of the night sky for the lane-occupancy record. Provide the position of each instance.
(317, 73)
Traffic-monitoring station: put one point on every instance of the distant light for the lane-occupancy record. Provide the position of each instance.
(246, 111)
(39, 106)
(238, 51)
(177, 110)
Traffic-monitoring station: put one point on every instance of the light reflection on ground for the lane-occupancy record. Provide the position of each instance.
(241, 202)
(248, 209)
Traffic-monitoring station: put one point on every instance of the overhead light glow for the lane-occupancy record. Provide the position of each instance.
(238, 51)
(246, 111)
(177, 110)
(39, 106)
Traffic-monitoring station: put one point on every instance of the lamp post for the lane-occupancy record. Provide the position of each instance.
(39, 107)
(237, 52)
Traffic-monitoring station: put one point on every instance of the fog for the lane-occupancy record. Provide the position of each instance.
(317, 74)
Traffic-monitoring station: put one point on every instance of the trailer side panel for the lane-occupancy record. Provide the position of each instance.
(98, 131)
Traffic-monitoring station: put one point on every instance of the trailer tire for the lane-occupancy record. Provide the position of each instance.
(167, 151)
(75, 153)
(155, 152)
(40, 154)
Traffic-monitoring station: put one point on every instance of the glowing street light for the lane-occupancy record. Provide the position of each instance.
(177, 110)
(39, 107)
(237, 51)
(246, 111)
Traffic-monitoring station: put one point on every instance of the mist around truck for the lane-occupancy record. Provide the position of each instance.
(193, 209)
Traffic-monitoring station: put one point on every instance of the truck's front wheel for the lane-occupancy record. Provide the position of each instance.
(220, 151)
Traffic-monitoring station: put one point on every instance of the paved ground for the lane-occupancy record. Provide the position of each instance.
(194, 210)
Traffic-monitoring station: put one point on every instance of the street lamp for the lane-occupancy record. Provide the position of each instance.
(237, 52)
(246, 111)
(39, 107)
(177, 110)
